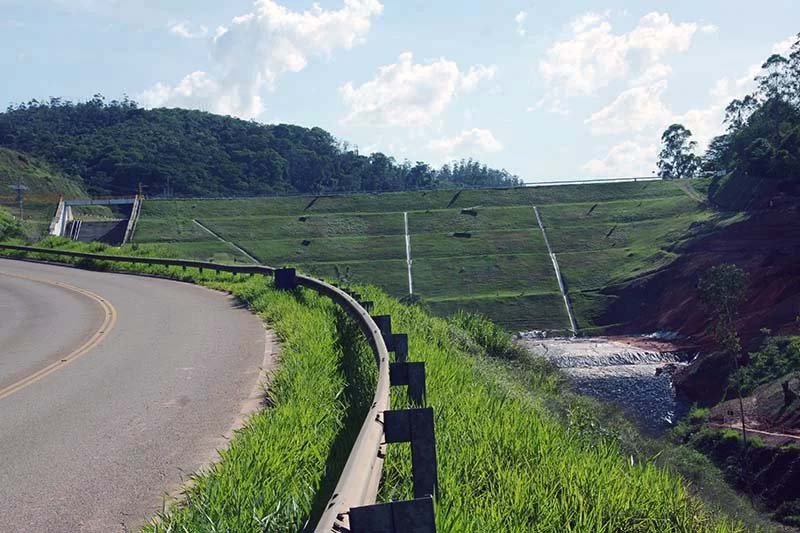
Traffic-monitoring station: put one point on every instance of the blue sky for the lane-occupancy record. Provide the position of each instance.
(546, 90)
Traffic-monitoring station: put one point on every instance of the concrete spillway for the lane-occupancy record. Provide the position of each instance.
(114, 231)
(107, 231)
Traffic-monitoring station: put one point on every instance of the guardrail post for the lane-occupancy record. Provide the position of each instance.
(400, 347)
(412, 375)
(416, 426)
(394, 517)
(367, 305)
(384, 323)
(285, 279)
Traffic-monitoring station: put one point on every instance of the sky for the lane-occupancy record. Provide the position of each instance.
(546, 90)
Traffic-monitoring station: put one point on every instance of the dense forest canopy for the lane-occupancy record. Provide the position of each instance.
(756, 162)
(116, 145)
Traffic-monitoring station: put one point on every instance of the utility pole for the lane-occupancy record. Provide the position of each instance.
(20, 188)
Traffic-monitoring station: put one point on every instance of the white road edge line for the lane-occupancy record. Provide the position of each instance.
(229, 243)
(408, 255)
(572, 323)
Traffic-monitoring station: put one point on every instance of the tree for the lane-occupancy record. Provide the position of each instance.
(738, 111)
(114, 146)
(677, 158)
(722, 290)
(717, 156)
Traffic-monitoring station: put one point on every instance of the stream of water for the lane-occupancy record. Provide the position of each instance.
(618, 372)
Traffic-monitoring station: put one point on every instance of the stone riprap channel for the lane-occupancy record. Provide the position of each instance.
(619, 371)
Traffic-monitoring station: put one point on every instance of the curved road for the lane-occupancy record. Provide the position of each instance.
(113, 390)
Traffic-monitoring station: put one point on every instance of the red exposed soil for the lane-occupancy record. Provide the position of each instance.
(766, 245)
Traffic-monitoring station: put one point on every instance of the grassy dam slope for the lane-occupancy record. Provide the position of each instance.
(478, 250)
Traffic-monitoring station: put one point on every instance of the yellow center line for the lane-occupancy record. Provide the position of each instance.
(109, 319)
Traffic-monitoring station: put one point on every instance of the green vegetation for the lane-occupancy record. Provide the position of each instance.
(777, 357)
(511, 457)
(753, 467)
(477, 250)
(116, 145)
(39, 177)
(44, 186)
(756, 162)
(280, 470)
(507, 461)
(10, 227)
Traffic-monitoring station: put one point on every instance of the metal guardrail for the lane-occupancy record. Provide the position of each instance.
(352, 506)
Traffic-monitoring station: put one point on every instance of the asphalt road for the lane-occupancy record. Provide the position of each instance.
(114, 389)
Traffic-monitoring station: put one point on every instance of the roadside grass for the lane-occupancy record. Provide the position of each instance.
(279, 471)
(508, 463)
(515, 451)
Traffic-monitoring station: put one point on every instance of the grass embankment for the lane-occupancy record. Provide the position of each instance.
(279, 471)
(479, 250)
(509, 462)
(44, 185)
(511, 457)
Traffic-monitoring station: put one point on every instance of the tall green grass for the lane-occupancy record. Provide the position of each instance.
(508, 463)
(509, 458)
(280, 470)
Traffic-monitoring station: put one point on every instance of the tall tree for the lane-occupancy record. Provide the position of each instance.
(722, 290)
(677, 158)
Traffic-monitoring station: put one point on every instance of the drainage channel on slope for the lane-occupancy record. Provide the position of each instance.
(408, 255)
(573, 325)
(229, 243)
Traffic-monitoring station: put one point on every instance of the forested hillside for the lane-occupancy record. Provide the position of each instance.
(758, 158)
(116, 145)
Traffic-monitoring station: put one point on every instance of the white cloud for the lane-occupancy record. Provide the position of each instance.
(466, 143)
(628, 158)
(520, 19)
(475, 75)
(636, 109)
(181, 29)
(410, 94)
(257, 48)
(655, 72)
(642, 110)
(784, 47)
(594, 56)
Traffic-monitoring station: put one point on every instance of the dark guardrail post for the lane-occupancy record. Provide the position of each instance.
(384, 323)
(416, 426)
(394, 517)
(411, 375)
(286, 279)
(351, 507)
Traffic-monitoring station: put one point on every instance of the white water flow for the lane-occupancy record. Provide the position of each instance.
(408, 254)
(572, 324)
(620, 372)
